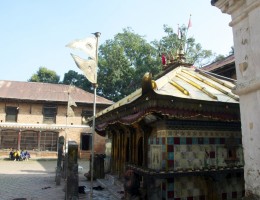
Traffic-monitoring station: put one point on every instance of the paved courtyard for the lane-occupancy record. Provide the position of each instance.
(35, 180)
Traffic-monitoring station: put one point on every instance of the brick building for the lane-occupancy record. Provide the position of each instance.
(33, 116)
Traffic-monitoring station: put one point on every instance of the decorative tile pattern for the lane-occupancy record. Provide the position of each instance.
(196, 188)
(192, 149)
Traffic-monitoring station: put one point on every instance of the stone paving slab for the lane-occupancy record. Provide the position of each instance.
(35, 180)
(115, 189)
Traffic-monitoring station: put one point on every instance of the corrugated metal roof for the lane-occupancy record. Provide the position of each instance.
(218, 64)
(188, 83)
(36, 91)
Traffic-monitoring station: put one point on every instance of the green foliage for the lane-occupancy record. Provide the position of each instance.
(45, 75)
(122, 63)
(124, 60)
(170, 44)
(219, 57)
(79, 80)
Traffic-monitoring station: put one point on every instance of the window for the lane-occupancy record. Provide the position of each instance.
(86, 141)
(8, 139)
(49, 114)
(11, 114)
(48, 141)
(86, 114)
(29, 140)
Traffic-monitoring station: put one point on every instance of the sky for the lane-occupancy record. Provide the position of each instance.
(34, 34)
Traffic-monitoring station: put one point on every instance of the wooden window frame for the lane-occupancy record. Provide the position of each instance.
(49, 112)
(11, 113)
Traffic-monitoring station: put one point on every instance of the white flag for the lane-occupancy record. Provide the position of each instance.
(87, 66)
(70, 111)
(87, 45)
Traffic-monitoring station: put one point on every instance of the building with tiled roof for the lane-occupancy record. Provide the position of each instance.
(225, 67)
(180, 134)
(33, 115)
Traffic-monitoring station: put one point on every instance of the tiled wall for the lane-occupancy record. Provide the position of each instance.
(197, 188)
(191, 151)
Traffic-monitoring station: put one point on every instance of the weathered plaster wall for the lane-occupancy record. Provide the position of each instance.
(246, 30)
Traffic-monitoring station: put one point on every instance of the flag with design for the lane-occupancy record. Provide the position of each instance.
(87, 66)
(88, 45)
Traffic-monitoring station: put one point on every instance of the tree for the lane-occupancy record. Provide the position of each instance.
(219, 58)
(170, 44)
(122, 63)
(45, 75)
(124, 59)
(79, 80)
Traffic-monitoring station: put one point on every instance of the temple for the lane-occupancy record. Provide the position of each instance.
(179, 134)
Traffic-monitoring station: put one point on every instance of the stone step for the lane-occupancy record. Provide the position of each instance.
(113, 185)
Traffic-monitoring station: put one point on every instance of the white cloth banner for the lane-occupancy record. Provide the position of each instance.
(88, 67)
(87, 45)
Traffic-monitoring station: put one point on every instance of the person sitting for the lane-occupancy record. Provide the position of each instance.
(27, 155)
(17, 155)
(11, 154)
(23, 155)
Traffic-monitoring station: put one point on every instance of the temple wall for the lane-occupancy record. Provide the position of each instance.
(201, 188)
(246, 30)
(197, 151)
(193, 150)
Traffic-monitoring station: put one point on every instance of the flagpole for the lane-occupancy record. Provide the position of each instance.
(89, 67)
(66, 145)
(97, 35)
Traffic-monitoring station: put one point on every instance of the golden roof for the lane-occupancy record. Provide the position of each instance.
(183, 82)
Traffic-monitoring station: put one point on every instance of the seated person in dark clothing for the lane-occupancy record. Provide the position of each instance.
(11, 154)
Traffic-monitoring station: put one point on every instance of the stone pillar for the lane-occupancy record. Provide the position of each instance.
(59, 160)
(246, 30)
(72, 173)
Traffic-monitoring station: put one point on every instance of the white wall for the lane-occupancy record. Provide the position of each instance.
(246, 31)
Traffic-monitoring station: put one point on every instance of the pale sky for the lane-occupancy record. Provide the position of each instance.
(34, 33)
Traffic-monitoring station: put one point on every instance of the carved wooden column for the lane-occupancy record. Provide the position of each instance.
(246, 30)
(39, 140)
(19, 140)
